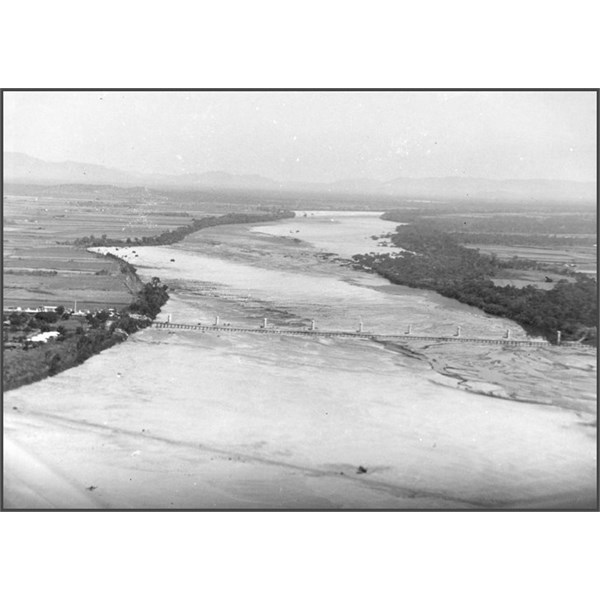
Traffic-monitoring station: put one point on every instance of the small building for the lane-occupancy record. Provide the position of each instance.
(44, 337)
(12, 345)
(139, 317)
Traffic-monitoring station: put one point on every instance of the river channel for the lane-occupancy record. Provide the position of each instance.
(207, 420)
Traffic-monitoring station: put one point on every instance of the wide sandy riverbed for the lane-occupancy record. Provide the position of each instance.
(189, 420)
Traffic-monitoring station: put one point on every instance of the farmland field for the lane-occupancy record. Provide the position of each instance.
(581, 259)
(521, 277)
(41, 268)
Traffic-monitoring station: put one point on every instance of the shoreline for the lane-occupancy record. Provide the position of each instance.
(431, 259)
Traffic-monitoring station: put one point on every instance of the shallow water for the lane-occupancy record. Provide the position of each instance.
(343, 233)
(205, 420)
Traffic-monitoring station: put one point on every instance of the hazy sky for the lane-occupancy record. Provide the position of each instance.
(313, 136)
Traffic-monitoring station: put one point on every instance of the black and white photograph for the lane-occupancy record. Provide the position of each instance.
(300, 299)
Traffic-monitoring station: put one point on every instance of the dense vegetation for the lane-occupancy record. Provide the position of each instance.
(473, 224)
(433, 260)
(176, 235)
(150, 299)
(33, 362)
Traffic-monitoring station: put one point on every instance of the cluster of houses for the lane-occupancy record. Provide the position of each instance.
(73, 312)
(33, 311)
(45, 336)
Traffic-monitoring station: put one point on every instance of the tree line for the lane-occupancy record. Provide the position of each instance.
(178, 234)
(431, 259)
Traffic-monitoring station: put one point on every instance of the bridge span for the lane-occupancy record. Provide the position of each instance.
(365, 335)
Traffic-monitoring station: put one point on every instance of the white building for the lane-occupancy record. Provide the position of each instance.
(44, 337)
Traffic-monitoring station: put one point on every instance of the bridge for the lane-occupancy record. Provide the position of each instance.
(364, 335)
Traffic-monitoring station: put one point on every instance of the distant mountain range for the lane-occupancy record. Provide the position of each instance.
(22, 168)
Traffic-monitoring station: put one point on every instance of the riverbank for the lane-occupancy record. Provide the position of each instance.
(73, 347)
(431, 259)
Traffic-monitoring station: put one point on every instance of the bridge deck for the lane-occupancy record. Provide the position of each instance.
(351, 334)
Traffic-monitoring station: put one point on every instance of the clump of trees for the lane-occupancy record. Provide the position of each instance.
(40, 320)
(150, 299)
(427, 257)
(147, 305)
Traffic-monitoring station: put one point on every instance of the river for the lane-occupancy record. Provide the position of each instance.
(190, 420)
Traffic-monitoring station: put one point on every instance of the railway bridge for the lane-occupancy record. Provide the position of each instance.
(360, 334)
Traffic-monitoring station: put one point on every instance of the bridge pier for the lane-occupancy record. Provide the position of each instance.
(507, 336)
(217, 321)
(264, 323)
(312, 325)
(458, 328)
(457, 338)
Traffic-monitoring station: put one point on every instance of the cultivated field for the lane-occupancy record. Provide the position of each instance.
(41, 268)
(40, 265)
(39, 219)
(580, 258)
